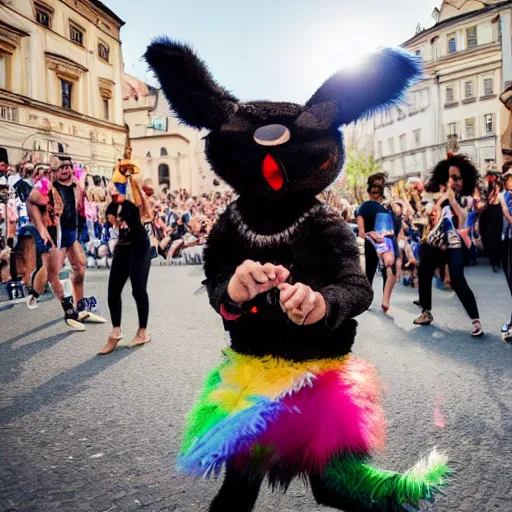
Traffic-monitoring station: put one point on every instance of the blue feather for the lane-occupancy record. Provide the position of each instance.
(377, 84)
(229, 437)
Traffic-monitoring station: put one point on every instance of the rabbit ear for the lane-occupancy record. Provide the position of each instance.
(351, 95)
(188, 85)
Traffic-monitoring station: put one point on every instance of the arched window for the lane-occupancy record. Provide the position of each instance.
(163, 175)
(104, 51)
(163, 152)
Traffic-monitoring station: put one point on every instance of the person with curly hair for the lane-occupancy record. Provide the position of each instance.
(455, 177)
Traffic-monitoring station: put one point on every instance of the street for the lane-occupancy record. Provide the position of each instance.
(81, 432)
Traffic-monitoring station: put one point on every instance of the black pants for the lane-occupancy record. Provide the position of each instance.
(239, 493)
(430, 259)
(133, 261)
(372, 262)
(506, 262)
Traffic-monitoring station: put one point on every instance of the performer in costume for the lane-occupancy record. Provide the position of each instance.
(283, 271)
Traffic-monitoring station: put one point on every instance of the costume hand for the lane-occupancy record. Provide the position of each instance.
(302, 305)
(450, 194)
(252, 278)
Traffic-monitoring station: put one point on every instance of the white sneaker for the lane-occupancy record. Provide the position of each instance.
(31, 302)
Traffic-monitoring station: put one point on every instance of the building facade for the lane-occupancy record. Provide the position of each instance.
(467, 61)
(170, 154)
(60, 81)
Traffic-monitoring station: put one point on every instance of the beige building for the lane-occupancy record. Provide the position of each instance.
(468, 60)
(169, 153)
(60, 81)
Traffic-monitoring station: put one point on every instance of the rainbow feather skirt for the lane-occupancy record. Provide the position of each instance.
(268, 412)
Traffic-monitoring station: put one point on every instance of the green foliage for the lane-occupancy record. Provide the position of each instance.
(358, 167)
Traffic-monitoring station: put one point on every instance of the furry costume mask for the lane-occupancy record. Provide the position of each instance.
(276, 151)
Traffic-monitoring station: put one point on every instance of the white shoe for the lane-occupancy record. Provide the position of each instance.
(31, 302)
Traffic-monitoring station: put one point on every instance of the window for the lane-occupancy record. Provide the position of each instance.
(401, 113)
(4, 69)
(106, 108)
(468, 89)
(452, 129)
(470, 128)
(391, 145)
(103, 52)
(163, 175)
(379, 149)
(417, 138)
(471, 37)
(488, 87)
(67, 90)
(433, 47)
(450, 98)
(418, 53)
(163, 152)
(452, 43)
(43, 16)
(76, 34)
(489, 123)
(402, 142)
(8, 113)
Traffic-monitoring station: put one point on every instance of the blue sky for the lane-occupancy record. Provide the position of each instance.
(270, 49)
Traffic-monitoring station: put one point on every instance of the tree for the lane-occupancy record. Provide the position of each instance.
(351, 184)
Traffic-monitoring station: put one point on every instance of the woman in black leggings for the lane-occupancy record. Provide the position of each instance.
(455, 177)
(132, 258)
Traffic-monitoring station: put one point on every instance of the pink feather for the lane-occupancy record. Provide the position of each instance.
(340, 412)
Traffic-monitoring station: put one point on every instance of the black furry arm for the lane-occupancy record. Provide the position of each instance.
(219, 263)
(350, 293)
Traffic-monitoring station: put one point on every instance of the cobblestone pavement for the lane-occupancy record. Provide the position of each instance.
(86, 433)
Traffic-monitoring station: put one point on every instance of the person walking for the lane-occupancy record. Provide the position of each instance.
(454, 177)
(132, 259)
(505, 199)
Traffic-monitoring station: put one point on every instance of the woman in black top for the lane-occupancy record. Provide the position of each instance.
(454, 177)
(132, 258)
(377, 244)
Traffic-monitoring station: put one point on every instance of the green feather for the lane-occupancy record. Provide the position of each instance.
(206, 413)
(352, 475)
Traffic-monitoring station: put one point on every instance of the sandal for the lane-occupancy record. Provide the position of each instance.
(478, 330)
(425, 318)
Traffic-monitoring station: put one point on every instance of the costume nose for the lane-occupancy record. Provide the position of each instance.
(272, 135)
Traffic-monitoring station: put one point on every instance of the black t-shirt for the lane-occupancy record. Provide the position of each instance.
(130, 214)
(69, 217)
(368, 211)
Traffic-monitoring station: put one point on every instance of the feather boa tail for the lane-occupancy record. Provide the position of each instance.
(386, 489)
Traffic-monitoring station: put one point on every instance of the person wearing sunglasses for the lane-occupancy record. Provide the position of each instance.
(454, 177)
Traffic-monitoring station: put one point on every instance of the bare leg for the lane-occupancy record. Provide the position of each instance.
(55, 261)
(388, 259)
(41, 278)
(77, 259)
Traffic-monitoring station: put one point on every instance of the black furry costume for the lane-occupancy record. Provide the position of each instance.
(278, 157)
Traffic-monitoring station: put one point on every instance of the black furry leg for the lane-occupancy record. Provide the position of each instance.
(238, 492)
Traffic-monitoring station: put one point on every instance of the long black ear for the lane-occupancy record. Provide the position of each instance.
(378, 84)
(189, 87)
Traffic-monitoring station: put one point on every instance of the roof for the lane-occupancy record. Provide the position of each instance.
(106, 10)
(134, 88)
(456, 19)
